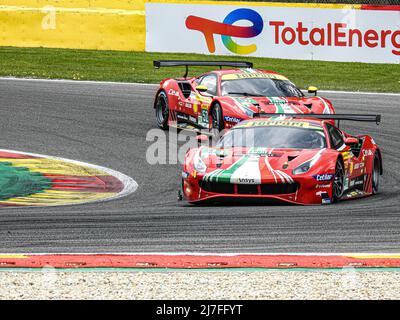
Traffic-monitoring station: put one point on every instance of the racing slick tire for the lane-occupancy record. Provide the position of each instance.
(338, 182)
(376, 172)
(162, 110)
(217, 122)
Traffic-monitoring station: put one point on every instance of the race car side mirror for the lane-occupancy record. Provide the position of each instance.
(201, 138)
(350, 141)
(312, 89)
(201, 88)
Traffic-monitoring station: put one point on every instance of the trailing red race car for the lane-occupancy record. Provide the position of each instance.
(295, 159)
(220, 99)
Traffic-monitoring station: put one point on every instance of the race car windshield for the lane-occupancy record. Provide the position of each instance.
(274, 137)
(260, 87)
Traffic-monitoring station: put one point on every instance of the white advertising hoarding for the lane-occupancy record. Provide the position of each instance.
(277, 32)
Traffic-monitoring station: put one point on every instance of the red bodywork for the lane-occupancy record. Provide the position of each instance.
(190, 107)
(277, 181)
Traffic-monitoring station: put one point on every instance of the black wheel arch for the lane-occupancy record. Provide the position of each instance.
(213, 103)
(378, 151)
(340, 158)
(155, 98)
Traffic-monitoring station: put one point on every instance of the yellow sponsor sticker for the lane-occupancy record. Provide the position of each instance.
(13, 256)
(258, 75)
(275, 123)
(375, 256)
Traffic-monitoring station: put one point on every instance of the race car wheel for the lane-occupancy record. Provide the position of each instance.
(216, 119)
(338, 182)
(376, 171)
(162, 110)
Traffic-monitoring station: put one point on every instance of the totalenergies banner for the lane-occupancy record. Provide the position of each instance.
(292, 31)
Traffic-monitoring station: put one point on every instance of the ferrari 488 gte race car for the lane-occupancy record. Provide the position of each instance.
(297, 159)
(220, 99)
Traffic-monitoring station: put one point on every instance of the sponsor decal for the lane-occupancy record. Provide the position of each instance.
(355, 193)
(203, 119)
(262, 152)
(172, 92)
(256, 75)
(351, 167)
(206, 152)
(368, 153)
(359, 165)
(182, 116)
(275, 123)
(247, 180)
(192, 119)
(326, 201)
(232, 119)
(323, 177)
(359, 182)
(334, 34)
(227, 30)
(322, 186)
(279, 31)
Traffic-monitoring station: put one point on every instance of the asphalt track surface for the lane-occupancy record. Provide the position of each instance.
(106, 124)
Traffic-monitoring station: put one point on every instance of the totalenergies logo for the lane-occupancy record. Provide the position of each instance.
(227, 30)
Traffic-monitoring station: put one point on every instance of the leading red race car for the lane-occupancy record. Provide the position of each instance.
(295, 159)
(220, 99)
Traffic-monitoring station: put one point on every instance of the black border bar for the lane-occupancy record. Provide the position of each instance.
(174, 63)
(345, 116)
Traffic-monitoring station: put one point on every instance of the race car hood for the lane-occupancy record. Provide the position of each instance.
(303, 105)
(254, 165)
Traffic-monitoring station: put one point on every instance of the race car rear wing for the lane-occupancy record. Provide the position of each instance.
(188, 63)
(345, 116)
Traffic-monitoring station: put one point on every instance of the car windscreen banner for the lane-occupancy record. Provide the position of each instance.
(293, 31)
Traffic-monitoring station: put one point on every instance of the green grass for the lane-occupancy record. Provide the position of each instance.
(137, 67)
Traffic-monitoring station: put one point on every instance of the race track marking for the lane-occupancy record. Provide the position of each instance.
(28, 179)
(201, 261)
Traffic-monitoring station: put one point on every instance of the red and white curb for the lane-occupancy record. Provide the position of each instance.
(200, 261)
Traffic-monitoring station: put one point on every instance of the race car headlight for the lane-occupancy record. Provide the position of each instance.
(303, 168)
(249, 112)
(199, 164)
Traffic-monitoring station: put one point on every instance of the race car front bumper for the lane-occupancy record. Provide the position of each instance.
(304, 190)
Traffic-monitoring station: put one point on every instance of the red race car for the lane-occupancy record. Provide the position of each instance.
(220, 99)
(289, 158)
